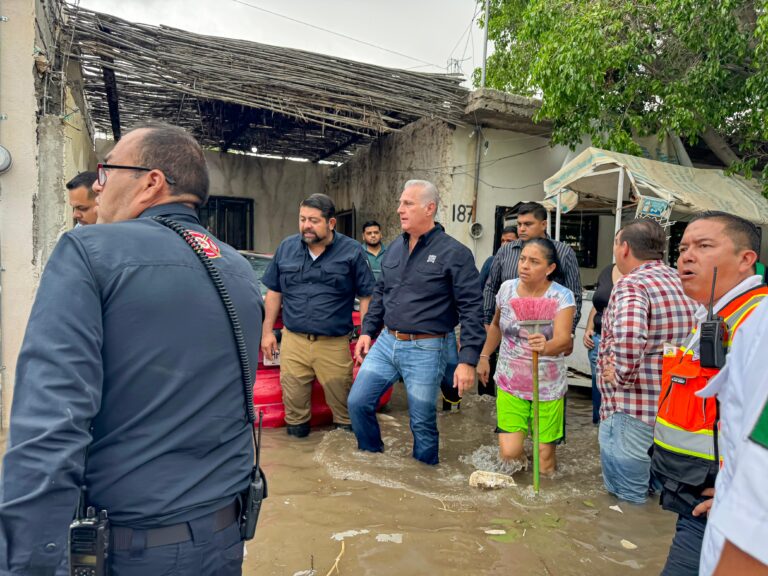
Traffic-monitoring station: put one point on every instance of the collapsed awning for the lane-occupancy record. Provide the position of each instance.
(595, 176)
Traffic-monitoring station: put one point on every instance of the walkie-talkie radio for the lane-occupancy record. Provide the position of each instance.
(713, 339)
(256, 492)
(89, 541)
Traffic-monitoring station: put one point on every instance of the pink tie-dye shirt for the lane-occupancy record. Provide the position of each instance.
(514, 370)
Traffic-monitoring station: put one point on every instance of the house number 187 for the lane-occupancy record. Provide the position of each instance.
(462, 212)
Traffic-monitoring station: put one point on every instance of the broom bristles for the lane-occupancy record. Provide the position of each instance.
(528, 309)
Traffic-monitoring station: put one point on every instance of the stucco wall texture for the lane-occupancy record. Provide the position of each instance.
(373, 179)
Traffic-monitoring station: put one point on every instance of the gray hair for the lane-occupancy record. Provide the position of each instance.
(429, 191)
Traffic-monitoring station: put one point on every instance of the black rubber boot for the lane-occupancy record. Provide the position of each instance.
(298, 430)
(345, 427)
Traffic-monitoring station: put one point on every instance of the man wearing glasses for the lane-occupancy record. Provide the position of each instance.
(129, 381)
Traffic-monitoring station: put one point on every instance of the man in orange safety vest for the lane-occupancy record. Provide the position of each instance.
(685, 455)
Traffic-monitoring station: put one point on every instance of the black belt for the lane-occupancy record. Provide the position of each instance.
(122, 537)
(316, 337)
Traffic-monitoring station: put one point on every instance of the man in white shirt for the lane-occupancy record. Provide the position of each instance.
(736, 538)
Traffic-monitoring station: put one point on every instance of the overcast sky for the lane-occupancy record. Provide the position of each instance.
(424, 31)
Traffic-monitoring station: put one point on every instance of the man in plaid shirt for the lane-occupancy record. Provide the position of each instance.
(647, 309)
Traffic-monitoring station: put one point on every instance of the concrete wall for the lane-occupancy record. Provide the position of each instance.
(276, 186)
(373, 179)
(19, 267)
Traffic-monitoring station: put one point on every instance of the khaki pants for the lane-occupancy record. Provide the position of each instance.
(301, 361)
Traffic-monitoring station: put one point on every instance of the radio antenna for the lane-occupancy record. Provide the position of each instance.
(710, 310)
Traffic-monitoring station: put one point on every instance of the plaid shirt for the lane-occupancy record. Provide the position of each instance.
(647, 308)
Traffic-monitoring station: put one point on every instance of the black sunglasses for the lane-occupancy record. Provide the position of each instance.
(101, 172)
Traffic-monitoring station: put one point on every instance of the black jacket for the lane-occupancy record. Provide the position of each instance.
(429, 291)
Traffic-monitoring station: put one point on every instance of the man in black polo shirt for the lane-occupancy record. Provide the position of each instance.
(315, 275)
(429, 284)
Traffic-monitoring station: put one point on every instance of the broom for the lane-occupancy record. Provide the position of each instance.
(535, 314)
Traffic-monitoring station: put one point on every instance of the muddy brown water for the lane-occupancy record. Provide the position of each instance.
(389, 515)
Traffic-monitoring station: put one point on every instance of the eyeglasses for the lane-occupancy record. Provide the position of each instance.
(101, 172)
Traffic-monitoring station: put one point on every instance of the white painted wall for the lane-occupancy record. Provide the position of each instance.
(513, 167)
(18, 133)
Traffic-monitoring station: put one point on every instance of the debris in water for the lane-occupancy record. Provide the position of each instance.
(495, 532)
(339, 536)
(589, 503)
(628, 545)
(306, 573)
(485, 479)
(394, 538)
(338, 559)
(616, 507)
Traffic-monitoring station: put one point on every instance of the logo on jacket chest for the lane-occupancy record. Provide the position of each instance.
(431, 259)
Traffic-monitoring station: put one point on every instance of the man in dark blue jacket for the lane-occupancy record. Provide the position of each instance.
(315, 276)
(429, 284)
(129, 382)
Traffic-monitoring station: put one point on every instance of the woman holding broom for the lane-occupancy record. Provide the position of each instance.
(520, 346)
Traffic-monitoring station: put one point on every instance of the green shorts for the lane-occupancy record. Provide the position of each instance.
(514, 415)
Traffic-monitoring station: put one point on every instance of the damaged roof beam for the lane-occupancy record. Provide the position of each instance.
(113, 102)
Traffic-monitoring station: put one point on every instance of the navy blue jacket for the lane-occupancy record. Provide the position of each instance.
(129, 353)
(319, 295)
(429, 291)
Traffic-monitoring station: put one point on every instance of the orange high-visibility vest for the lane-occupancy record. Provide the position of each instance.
(686, 424)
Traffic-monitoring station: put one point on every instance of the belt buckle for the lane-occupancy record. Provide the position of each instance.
(398, 333)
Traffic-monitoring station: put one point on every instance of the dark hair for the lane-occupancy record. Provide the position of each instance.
(371, 223)
(321, 202)
(537, 210)
(83, 179)
(508, 229)
(744, 234)
(178, 155)
(646, 238)
(550, 255)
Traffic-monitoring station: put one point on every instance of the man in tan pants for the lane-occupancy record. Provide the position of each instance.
(315, 276)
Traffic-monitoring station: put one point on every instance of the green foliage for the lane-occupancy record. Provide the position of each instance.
(609, 69)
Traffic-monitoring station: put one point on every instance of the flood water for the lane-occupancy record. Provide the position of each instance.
(389, 515)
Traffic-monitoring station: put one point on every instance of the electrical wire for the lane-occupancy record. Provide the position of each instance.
(337, 33)
(466, 30)
(453, 167)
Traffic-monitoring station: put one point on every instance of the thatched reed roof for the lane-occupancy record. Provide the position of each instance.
(239, 95)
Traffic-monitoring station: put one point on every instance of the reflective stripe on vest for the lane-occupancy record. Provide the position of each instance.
(697, 441)
(675, 439)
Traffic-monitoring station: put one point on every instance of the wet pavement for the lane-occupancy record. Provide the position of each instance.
(389, 515)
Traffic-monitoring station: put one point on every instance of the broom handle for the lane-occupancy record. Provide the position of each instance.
(536, 422)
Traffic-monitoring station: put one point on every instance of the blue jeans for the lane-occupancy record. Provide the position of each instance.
(624, 444)
(592, 355)
(420, 364)
(684, 554)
